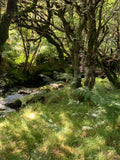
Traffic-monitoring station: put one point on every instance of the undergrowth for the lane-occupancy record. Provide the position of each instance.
(71, 125)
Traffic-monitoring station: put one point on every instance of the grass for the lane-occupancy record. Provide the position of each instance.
(63, 128)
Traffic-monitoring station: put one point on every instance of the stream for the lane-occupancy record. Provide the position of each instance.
(12, 95)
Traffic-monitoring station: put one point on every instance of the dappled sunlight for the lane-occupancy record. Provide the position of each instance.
(65, 121)
(3, 124)
(66, 129)
(94, 143)
(24, 126)
(29, 114)
(62, 135)
(101, 155)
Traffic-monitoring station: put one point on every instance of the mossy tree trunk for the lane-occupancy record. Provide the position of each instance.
(76, 64)
(91, 51)
(5, 22)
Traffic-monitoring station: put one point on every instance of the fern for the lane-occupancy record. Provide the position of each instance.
(82, 94)
(62, 76)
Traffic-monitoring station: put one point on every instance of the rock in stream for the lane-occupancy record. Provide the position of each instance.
(10, 103)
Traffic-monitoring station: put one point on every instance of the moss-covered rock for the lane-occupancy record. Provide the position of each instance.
(34, 97)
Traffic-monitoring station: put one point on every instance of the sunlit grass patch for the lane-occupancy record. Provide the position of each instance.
(20, 134)
(31, 115)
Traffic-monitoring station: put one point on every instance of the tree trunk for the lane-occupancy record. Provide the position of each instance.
(5, 22)
(77, 64)
(89, 80)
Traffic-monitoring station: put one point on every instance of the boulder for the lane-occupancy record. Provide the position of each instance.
(38, 96)
(12, 97)
(15, 104)
(2, 107)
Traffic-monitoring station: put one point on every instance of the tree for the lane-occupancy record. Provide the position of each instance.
(31, 43)
(66, 35)
(75, 28)
(110, 52)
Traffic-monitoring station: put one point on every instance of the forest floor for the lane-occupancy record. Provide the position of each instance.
(65, 127)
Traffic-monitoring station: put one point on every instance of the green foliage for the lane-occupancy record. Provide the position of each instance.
(56, 96)
(47, 53)
(17, 76)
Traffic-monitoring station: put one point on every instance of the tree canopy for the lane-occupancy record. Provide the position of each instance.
(81, 31)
